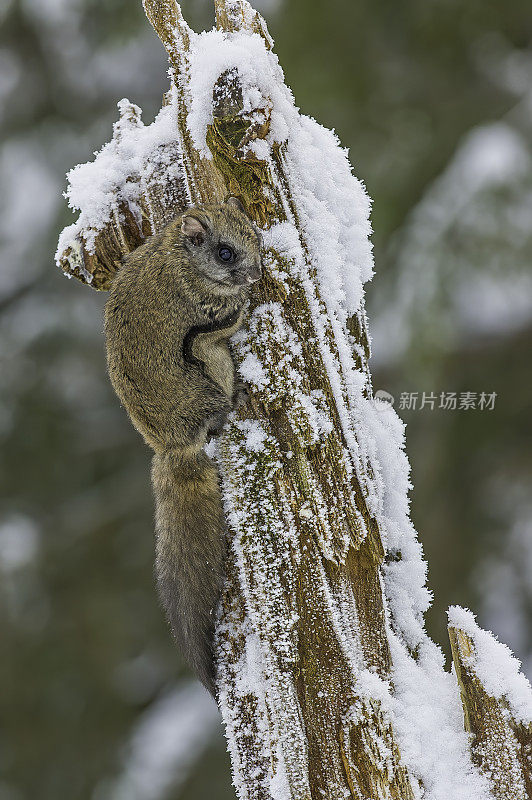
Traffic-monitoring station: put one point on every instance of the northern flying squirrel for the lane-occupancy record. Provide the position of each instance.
(174, 303)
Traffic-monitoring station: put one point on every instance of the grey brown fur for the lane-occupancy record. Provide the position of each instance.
(173, 305)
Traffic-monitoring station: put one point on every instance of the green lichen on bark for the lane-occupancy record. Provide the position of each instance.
(500, 745)
(245, 180)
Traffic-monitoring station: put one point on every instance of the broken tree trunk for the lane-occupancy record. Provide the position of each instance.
(329, 686)
(495, 699)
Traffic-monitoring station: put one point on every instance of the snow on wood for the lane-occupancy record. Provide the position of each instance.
(329, 684)
(497, 702)
(119, 194)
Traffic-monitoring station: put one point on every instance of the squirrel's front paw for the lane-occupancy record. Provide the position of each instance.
(215, 423)
(240, 395)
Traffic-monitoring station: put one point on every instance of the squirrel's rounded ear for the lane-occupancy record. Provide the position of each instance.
(194, 225)
(235, 203)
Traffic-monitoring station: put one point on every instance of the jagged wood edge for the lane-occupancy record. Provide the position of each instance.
(500, 745)
(197, 181)
(126, 229)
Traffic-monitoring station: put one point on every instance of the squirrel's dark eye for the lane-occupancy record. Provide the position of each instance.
(226, 254)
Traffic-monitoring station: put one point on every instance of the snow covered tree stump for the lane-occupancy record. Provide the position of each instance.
(329, 685)
(496, 702)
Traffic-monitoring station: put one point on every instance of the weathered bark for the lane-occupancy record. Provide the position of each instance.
(501, 745)
(156, 203)
(304, 614)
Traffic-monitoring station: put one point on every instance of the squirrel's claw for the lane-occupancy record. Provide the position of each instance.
(240, 395)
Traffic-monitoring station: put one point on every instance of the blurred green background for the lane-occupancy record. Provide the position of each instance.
(434, 100)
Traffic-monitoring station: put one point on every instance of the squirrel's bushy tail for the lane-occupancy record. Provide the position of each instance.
(190, 553)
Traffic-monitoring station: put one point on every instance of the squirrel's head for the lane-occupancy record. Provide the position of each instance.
(224, 245)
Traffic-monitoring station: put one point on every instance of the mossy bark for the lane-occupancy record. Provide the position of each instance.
(339, 734)
(501, 746)
(304, 603)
